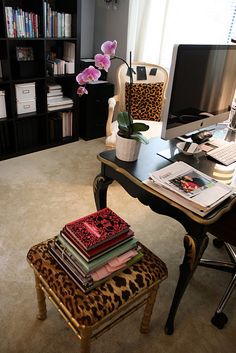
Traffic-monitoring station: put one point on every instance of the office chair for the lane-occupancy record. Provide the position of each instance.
(148, 94)
(225, 232)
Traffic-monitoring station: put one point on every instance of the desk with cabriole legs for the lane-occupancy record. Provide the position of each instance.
(130, 175)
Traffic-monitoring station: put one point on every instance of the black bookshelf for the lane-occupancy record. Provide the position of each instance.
(26, 133)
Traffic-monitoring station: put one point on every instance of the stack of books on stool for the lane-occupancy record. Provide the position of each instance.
(94, 248)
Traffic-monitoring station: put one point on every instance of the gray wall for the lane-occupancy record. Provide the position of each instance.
(99, 24)
(111, 25)
(87, 28)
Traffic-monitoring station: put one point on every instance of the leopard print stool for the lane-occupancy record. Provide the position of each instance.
(88, 315)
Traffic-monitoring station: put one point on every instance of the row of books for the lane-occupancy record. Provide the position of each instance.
(189, 187)
(21, 24)
(94, 248)
(60, 126)
(57, 24)
(56, 100)
(65, 64)
(60, 67)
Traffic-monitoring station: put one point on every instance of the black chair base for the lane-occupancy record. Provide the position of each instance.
(220, 319)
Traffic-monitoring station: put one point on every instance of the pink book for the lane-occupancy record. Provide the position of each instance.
(97, 228)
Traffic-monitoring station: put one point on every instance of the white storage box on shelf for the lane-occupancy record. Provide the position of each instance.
(25, 91)
(27, 106)
(3, 113)
(25, 97)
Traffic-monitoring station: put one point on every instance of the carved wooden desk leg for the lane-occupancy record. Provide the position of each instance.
(194, 248)
(85, 340)
(100, 186)
(145, 324)
(42, 309)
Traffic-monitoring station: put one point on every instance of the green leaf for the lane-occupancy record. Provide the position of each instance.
(140, 138)
(140, 127)
(124, 121)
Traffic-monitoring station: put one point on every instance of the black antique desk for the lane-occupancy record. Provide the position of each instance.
(130, 176)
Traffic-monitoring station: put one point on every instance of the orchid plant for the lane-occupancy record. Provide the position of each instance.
(126, 126)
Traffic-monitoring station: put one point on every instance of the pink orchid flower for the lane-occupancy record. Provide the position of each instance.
(90, 74)
(109, 47)
(79, 79)
(102, 61)
(81, 90)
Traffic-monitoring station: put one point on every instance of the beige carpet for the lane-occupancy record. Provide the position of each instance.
(42, 191)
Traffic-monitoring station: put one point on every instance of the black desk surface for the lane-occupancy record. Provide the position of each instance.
(160, 153)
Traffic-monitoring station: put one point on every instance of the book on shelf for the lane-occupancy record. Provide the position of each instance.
(56, 93)
(55, 128)
(3, 113)
(67, 123)
(59, 102)
(21, 24)
(54, 87)
(189, 187)
(97, 228)
(69, 57)
(59, 107)
(57, 24)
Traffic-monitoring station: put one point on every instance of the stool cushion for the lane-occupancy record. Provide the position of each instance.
(87, 309)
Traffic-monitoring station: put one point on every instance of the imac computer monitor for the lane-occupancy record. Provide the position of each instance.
(200, 90)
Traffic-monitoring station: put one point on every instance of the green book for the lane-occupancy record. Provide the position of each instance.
(101, 260)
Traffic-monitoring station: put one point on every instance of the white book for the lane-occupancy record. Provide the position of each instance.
(70, 67)
(61, 101)
(56, 93)
(189, 187)
(69, 51)
(9, 21)
(67, 25)
(65, 106)
(51, 100)
(52, 88)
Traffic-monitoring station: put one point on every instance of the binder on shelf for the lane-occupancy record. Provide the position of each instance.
(3, 113)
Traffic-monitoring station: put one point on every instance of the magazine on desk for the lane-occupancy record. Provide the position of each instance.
(189, 187)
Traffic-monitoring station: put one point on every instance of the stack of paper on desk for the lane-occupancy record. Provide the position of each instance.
(189, 187)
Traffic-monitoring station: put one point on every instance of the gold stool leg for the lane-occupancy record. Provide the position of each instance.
(85, 340)
(148, 310)
(42, 309)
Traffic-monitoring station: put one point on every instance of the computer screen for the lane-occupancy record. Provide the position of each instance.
(201, 87)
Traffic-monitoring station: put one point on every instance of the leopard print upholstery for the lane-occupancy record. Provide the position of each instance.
(88, 309)
(146, 100)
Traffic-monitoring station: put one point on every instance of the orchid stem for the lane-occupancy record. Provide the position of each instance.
(130, 71)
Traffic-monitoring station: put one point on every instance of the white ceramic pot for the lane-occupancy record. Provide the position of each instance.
(127, 149)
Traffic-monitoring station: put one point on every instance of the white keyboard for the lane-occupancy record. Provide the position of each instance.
(225, 154)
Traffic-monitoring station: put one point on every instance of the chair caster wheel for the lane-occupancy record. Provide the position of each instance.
(218, 243)
(219, 320)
